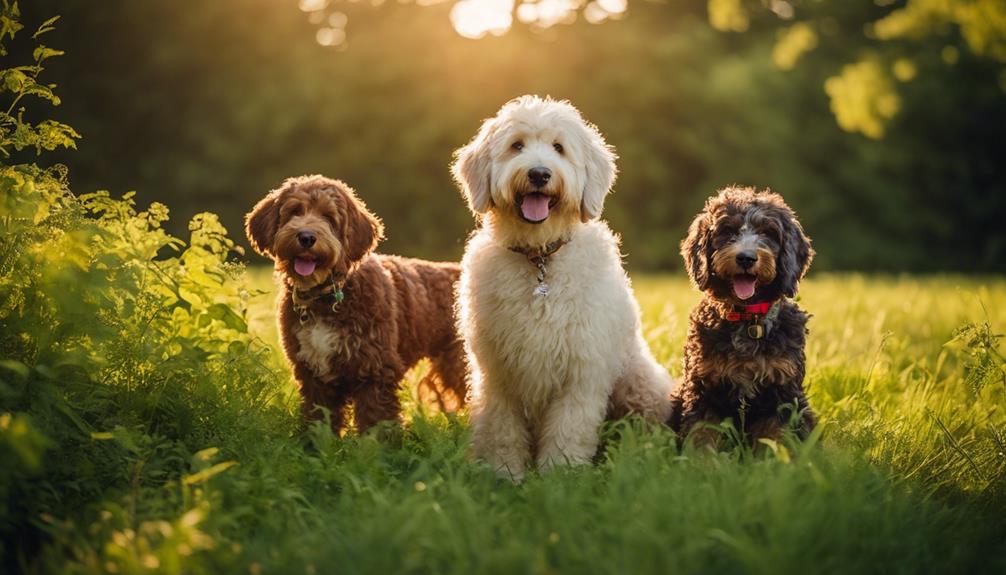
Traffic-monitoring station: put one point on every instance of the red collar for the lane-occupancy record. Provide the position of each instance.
(751, 312)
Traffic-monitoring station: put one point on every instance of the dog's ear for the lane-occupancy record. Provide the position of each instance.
(362, 230)
(472, 169)
(262, 223)
(599, 164)
(795, 253)
(696, 248)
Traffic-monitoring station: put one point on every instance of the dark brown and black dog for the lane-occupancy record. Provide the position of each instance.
(744, 357)
(353, 321)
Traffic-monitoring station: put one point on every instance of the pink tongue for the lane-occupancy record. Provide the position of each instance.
(304, 266)
(744, 286)
(535, 207)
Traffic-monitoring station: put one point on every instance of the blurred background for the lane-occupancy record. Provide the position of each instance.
(881, 121)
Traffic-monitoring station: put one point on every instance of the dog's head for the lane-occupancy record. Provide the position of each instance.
(537, 162)
(746, 246)
(312, 226)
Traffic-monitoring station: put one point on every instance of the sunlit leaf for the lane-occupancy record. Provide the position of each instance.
(208, 473)
(43, 53)
(863, 98)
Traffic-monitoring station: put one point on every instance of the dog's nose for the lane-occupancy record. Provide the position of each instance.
(306, 239)
(539, 176)
(746, 259)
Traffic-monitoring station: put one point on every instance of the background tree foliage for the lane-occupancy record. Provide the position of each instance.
(211, 104)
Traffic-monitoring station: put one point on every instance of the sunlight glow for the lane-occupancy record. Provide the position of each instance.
(330, 36)
(782, 9)
(337, 20)
(476, 18)
(613, 6)
(313, 5)
(594, 14)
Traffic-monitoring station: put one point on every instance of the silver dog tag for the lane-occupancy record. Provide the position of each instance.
(541, 289)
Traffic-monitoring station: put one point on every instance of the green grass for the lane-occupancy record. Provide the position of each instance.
(907, 476)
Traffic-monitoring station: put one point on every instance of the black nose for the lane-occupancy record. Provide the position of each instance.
(539, 176)
(306, 239)
(747, 259)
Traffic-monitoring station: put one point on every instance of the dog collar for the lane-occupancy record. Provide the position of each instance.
(302, 300)
(763, 314)
(539, 258)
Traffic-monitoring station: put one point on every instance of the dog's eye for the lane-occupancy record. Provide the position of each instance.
(558, 147)
(518, 145)
(775, 232)
(297, 211)
(723, 236)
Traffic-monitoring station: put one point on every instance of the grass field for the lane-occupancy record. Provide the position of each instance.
(907, 477)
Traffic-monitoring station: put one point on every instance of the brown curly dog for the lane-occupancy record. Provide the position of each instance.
(744, 357)
(354, 322)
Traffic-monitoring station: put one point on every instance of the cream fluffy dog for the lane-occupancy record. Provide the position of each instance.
(546, 311)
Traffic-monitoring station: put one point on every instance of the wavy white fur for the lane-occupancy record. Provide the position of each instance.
(545, 371)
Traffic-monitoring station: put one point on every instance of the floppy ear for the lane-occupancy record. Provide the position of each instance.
(262, 223)
(472, 169)
(600, 170)
(695, 250)
(795, 254)
(362, 230)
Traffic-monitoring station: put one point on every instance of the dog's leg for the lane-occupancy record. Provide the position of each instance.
(374, 404)
(770, 427)
(644, 388)
(572, 420)
(694, 422)
(500, 434)
(376, 401)
(702, 436)
(794, 416)
(328, 395)
(808, 421)
(446, 383)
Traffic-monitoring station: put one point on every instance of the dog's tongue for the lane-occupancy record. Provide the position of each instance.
(535, 207)
(744, 286)
(304, 266)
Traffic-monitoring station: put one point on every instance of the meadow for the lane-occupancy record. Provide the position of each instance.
(907, 476)
(148, 423)
(212, 471)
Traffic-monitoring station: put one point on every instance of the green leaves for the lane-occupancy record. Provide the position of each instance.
(984, 364)
(43, 53)
(47, 26)
(47, 136)
(122, 350)
(22, 439)
(22, 81)
(10, 23)
(14, 79)
(863, 98)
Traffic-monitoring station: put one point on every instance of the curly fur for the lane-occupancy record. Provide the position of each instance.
(545, 371)
(395, 310)
(728, 374)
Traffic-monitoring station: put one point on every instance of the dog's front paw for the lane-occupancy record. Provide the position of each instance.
(512, 471)
(550, 459)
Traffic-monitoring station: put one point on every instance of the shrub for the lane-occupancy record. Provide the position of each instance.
(124, 352)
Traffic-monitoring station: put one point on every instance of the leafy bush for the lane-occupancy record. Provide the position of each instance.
(124, 351)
